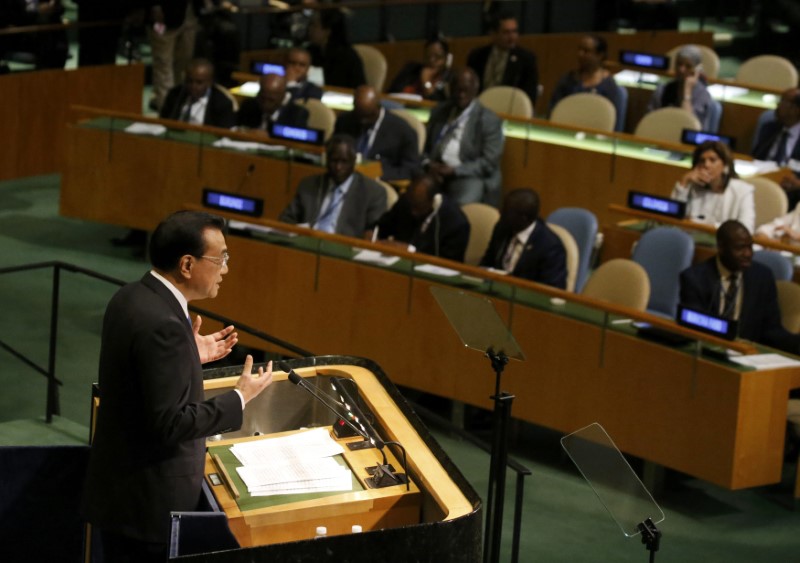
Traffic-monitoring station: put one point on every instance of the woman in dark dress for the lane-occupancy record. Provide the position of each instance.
(428, 79)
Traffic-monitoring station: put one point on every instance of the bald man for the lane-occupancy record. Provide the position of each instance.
(465, 143)
(380, 135)
(777, 140)
(197, 101)
(272, 104)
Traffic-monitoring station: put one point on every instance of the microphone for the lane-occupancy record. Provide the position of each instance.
(250, 169)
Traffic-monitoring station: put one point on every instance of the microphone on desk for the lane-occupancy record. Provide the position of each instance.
(247, 174)
(382, 475)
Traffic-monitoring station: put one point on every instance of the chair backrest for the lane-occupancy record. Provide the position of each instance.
(789, 304)
(664, 252)
(780, 265)
(508, 100)
(714, 116)
(415, 124)
(770, 200)
(708, 58)
(572, 252)
(374, 65)
(482, 219)
(582, 225)
(666, 124)
(391, 194)
(769, 71)
(320, 116)
(619, 281)
(228, 95)
(585, 110)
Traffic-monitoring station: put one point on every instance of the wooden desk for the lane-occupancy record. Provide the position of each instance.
(713, 420)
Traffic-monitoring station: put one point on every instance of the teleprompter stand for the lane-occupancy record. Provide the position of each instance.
(480, 327)
(616, 485)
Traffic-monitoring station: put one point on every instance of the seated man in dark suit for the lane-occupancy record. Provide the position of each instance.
(503, 63)
(423, 220)
(298, 61)
(380, 135)
(341, 201)
(197, 101)
(272, 104)
(778, 141)
(464, 144)
(733, 286)
(523, 245)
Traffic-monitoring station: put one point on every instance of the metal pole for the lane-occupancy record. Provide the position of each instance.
(53, 406)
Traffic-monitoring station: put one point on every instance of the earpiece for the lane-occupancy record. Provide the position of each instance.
(437, 202)
(448, 60)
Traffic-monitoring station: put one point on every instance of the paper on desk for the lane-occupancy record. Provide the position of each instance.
(301, 445)
(376, 257)
(245, 226)
(746, 168)
(436, 270)
(139, 128)
(227, 143)
(297, 474)
(342, 482)
(766, 361)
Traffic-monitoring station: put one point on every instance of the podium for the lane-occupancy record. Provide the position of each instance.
(438, 514)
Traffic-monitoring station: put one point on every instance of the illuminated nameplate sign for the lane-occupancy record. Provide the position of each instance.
(692, 137)
(643, 60)
(242, 205)
(299, 134)
(261, 67)
(657, 204)
(710, 324)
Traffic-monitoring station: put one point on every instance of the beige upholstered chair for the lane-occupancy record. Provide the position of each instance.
(482, 219)
(374, 65)
(789, 304)
(573, 255)
(585, 110)
(620, 281)
(709, 59)
(320, 116)
(391, 194)
(508, 100)
(770, 200)
(666, 124)
(416, 125)
(769, 71)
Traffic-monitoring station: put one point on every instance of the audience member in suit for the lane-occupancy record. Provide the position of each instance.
(341, 201)
(732, 285)
(523, 245)
(688, 90)
(298, 61)
(331, 50)
(148, 452)
(423, 220)
(172, 35)
(591, 76)
(427, 79)
(777, 140)
(272, 104)
(503, 63)
(464, 144)
(712, 189)
(380, 135)
(197, 101)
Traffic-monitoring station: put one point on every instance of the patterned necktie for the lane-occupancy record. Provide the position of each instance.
(328, 215)
(510, 257)
(729, 304)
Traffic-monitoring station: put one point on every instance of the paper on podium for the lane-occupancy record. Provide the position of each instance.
(227, 143)
(146, 129)
(436, 270)
(309, 444)
(375, 257)
(766, 361)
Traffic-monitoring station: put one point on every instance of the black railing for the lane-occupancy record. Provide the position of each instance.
(53, 402)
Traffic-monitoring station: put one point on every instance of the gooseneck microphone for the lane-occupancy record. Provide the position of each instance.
(250, 169)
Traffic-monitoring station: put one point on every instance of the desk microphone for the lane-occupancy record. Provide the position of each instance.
(250, 169)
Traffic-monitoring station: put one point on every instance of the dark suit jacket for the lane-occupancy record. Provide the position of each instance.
(543, 258)
(447, 234)
(175, 10)
(147, 458)
(219, 112)
(395, 144)
(363, 205)
(340, 64)
(290, 114)
(760, 317)
(304, 91)
(767, 136)
(521, 69)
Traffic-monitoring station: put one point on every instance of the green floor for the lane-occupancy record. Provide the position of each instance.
(562, 520)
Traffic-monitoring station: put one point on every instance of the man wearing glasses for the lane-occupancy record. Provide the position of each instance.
(148, 450)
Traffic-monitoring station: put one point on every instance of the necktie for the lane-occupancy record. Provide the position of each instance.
(780, 153)
(186, 113)
(327, 217)
(729, 304)
(509, 259)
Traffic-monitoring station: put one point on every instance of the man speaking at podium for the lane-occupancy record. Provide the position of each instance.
(148, 452)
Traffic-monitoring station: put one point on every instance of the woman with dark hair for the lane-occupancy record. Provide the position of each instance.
(427, 79)
(591, 76)
(688, 89)
(331, 50)
(712, 191)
